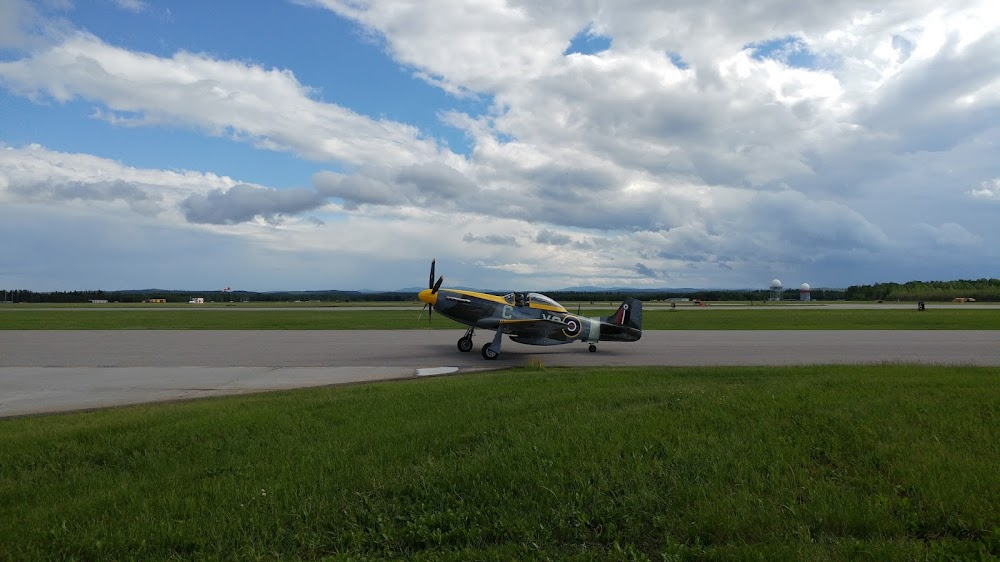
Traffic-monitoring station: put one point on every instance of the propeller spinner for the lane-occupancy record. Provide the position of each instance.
(429, 295)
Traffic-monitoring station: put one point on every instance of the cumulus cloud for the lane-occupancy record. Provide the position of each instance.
(491, 239)
(265, 106)
(242, 203)
(988, 190)
(645, 271)
(950, 235)
(36, 175)
(713, 141)
(138, 197)
(427, 184)
(551, 238)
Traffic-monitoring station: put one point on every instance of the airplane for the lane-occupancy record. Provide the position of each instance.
(530, 318)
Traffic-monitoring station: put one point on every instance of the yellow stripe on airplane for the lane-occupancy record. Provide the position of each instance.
(484, 296)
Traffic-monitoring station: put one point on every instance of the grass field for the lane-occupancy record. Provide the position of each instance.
(811, 463)
(761, 318)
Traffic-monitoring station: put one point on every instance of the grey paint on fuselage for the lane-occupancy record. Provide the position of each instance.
(530, 318)
(537, 320)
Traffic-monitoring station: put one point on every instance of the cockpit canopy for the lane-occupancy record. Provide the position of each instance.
(521, 299)
(542, 299)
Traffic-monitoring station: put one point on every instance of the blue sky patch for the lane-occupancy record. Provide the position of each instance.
(678, 61)
(790, 50)
(587, 42)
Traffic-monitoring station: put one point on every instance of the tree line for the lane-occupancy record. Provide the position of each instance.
(979, 289)
(139, 296)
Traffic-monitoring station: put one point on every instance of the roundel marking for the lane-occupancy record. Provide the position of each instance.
(573, 326)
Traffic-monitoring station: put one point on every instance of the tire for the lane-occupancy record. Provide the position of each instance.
(465, 345)
(593, 348)
(488, 352)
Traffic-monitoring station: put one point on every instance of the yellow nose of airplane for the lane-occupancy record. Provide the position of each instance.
(428, 297)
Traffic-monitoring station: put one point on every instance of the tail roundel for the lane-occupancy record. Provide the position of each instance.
(629, 314)
(625, 324)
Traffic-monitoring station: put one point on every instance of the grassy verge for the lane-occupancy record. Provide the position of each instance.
(216, 319)
(336, 319)
(838, 462)
(823, 319)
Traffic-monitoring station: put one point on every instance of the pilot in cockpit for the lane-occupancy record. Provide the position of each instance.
(516, 299)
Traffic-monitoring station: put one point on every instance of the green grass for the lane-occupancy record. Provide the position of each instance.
(823, 319)
(770, 318)
(810, 463)
(216, 319)
(218, 304)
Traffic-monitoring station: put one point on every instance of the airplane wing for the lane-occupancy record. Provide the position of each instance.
(531, 327)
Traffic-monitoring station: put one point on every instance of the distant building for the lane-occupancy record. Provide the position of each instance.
(197, 300)
(157, 300)
(805, 292)
(99, 301)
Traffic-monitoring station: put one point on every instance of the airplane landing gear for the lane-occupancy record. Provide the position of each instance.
(593, 348)
(492, 349)
(465, 343)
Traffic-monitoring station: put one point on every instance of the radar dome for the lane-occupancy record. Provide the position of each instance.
(805, 287)
(775, 283)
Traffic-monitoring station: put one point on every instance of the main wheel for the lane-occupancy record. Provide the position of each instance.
(593, 348)
(465, 345)
(488, 352)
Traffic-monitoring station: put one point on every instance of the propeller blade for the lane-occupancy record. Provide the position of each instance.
(437, 285)
(430, 280)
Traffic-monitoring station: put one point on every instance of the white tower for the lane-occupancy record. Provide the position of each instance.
(776, 290)
(805, 292)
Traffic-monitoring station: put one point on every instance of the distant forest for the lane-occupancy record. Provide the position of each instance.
(980, 289)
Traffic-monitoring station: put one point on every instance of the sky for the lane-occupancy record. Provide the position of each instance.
(343, 144)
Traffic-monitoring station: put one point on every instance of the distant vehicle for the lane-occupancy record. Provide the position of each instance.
(964, 299)
(530, 318)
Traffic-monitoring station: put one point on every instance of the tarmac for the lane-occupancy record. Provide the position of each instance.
(54, 371)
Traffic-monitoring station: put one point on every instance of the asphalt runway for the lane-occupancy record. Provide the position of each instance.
(50, 371)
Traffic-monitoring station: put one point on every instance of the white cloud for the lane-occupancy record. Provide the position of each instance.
(135, 6)
(951, 236)
(736, 165)
(989, 190)
(267, 107)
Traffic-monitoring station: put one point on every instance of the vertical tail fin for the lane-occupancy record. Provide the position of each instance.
(625, 324)
(629, 314)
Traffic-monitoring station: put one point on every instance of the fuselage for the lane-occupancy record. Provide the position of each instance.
(530, 318)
